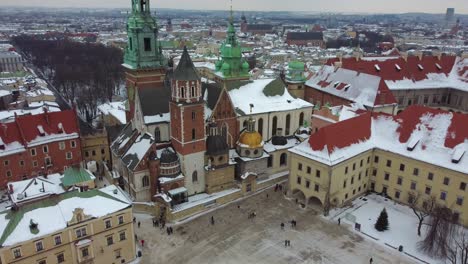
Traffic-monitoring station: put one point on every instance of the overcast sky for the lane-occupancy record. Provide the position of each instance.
(372, 6)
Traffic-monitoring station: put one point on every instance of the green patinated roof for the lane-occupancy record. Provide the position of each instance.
(297, 65)
(274, 88)
(73, 176)
(15, 217)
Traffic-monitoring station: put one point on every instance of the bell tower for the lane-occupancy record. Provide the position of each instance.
(188, 135)
(144, 63)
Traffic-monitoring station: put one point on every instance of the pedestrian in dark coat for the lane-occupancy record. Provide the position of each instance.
(212, 220)
(282, 225)
(139, 224)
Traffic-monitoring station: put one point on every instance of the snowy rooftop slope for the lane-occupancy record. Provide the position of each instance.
(351, 85)
(35, 188)
(116, 109)
(52, 214)
(138, 150)
(253, 93)
(436, 138)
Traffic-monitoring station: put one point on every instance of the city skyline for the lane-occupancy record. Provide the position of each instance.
(353, 6)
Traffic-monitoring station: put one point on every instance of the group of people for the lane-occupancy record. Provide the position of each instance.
(252, 215)
(169, 230)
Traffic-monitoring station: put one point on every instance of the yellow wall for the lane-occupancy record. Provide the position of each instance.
(98, 143)
(96, 232)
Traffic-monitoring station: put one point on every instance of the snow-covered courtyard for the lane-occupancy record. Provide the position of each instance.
(403, 224)
(234, 238)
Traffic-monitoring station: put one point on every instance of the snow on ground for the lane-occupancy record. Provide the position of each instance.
(402, 222)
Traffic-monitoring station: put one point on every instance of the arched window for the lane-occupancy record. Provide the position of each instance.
(182, 92)
(224, 130)
(192, 91)
(145, 181)
(301, 119)
(288, 124)
(274, 126)
(157, 134)
(283, 159)
(260, 126)
(195, 176)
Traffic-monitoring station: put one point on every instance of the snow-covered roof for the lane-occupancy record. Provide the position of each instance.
(160, 118)
(53, 215)
(291, 142)
(138, 150)
(35, 188)
(420, 133)
(116, 109)
(255, 93)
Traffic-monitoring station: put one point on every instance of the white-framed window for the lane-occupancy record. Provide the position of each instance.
(121, 219)
(6, 162)
(8, 174)
(85, 252)
(35, 163)
(122, 236)
(45, 149)
(108, 224)
(60, 258)
(33, 152)
(81, 232)
(69, 155)
(58, 240)
(110, 240)
(39, 246)
(62, 145)
(117, 253)
(17, 253)
(73, 144)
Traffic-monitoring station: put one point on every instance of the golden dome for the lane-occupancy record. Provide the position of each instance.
(251, 139)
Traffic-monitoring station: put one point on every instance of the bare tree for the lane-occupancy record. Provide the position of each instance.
(440, 227)
(428, 204)
(457, 247)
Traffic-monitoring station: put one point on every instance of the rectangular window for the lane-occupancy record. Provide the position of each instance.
(462, 186)
(397, 194)
(35, 164)
(389, 163)
(299, 166)
(17, 253)
(33, 152)
(402, 167)
(307, 184)
(386, 176)
(86, 154)
(317, 187)
(413, 186)
(8, 174)
(193, 134)
(85, 252)
(81, 232)
(354, 166)
(372, 186)
(344, 183)
(346, 196)
(6, 162)
(427, 190)
(459, 200)
(60, 258)
(58, 240)
(39, 246)
(299, 180)
(361, 163)
(73, 144)
(103, 151)
(359, 177)
(270, 162)
(430, 176)
(21, 163)
(309, 170)
(376, 159)
(194, 115)
(121, 219)
(346, 170)
(108, 224)
(94, 153)
(42, 261)
(62, 145)
(110, 240)
(368, 160)
(317, 173)
(352, 180)
(446, 181)
(443, 196)
(374, 172)
(69, 155)
(122, 236)
(416, 172)
(45, 149)
(400, 181)
(117, 254)
(147, 43)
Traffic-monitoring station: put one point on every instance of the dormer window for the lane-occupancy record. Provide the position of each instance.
(41, 130)
(60, 128)
(346, 88)
(458, 155)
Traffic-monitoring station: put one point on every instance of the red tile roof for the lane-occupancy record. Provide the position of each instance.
(342, 134)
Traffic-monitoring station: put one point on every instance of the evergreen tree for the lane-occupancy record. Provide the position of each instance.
(382, 222)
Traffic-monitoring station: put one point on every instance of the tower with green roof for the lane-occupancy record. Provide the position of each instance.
(144, 62)
(231, 66)
(295, 79)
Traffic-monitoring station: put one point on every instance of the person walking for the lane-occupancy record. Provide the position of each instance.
(139, 224)
(282, 226)
(371, 260)
(339, 221)
(168, 231)
(212, 220)
(142, 243)
(134, 219)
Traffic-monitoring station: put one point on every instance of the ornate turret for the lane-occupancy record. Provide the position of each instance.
(250, 142)
(143, 49)
(295, 79)
(186, 83)
(230, 67)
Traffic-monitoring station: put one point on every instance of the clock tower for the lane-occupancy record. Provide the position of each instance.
(144, 63)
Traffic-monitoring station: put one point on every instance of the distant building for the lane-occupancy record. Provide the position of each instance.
(255, 29)
(305, 39)
(95, 226)
(35, 145)
(450, 17)
(10, 61)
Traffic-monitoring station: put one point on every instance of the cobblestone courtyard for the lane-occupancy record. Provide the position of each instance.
(236, 239)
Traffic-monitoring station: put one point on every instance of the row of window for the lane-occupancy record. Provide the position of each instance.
(35, 163)
(361, 163)
(309, 170)
(430, 176)
(307, 184)
(93, 152)
(352, 179)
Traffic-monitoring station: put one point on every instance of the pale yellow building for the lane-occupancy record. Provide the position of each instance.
(420, 152)
(88, 227)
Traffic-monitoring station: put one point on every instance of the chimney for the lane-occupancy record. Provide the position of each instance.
(419, 54)
(404, 55)
(339, 55)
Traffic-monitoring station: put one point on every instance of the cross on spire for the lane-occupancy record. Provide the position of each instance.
(232, 15)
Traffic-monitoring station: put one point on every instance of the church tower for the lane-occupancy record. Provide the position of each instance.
(188, 123)
(295, 79)
(231, 67)
(144, 63)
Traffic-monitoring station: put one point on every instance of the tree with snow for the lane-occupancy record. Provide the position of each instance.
(421, 212)
(382, 222)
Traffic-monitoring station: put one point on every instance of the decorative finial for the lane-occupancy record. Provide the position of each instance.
(232, 15)
(251, 107)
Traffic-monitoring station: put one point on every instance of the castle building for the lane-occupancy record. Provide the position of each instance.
(255, 29)
(420, 152)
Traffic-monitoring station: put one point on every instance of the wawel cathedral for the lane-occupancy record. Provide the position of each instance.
(187, 139)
